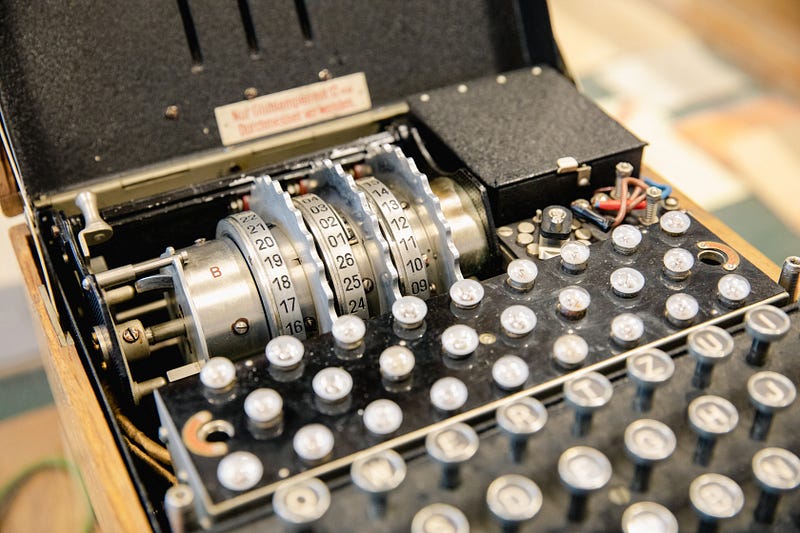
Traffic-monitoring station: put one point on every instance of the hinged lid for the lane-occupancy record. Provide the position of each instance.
(86, 87)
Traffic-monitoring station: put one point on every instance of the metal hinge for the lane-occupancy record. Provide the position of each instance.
(570, 164)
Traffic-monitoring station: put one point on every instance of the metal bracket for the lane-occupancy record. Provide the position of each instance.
(570, 164)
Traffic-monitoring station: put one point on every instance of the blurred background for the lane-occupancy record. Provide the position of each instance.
(713, 86)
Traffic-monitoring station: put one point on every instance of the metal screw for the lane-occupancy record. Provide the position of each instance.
(131, 335)
(766, 324)
(582, 470)
(178, 506)
(647, 442)
(769, 393)
(790, 277)
(653, 197)
(623, 170)
(778, 472)
(709, 346)
(649, 370)
(325, 74)
(250, 93)
(241, 326)
(171, 112)
(710, 417)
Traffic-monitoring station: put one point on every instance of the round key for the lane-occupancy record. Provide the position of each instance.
(466, 293)
(765, 324)
(439, 518)
(586, 394)
(513, 499)
(570, 351)
(574, 257)
(675, 223)
(517, 320)
(378, 474)
(647, 442)
(285, 352)
(681, 309)
(709, 346)
(769, 393)
(521, 274)
(648, 517)
(573, 301)
(452, 446)
(582, 470)
(777, 472)
(218, 374)
(409, 312)
(332, 384)
(459, 341)
(313, 443)
(733, 290)
(710, 417)
(239, 471)
(627, 330)
(649, 370)
(301, 503)
(382, 417)
(449, 394)
(510, 372)
(396, 363)
(264, 407)
(627, 282)
(348, 332)
(678, 264)
(626, 239)
(520, 420)
(715, 497)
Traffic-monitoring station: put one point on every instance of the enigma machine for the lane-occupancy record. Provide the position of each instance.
(378, 266)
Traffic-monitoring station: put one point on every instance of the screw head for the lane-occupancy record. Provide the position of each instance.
(131, 335)
(770, 392)
(514, 498)
(583, 469)
(715, 497)
(241, 326)
(776, 470)
(767, 323)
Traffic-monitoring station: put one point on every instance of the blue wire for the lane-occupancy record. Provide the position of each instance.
(666, 190)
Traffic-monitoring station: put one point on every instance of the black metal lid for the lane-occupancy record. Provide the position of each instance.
(84, 85)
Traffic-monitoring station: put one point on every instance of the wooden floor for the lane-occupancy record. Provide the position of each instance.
(52, 500)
